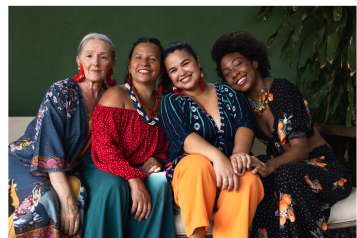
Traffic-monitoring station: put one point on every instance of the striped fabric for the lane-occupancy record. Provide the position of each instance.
(180, 116)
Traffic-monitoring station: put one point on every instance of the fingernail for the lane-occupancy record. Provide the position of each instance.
(248, 166)
(243, 171)
(235, 191)
(236, 171)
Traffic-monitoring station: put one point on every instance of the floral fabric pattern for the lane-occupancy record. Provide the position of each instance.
(50, 144)
(298, 196)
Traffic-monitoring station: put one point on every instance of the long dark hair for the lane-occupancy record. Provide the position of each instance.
(171, 48)
(146, 40)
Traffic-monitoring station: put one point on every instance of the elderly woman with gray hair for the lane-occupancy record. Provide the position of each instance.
(46, 193)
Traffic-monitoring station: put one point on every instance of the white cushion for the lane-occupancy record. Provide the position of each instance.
(343, 213)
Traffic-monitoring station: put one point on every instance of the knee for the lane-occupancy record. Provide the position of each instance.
(198, 164)
(113, 184)
(253, 181)
(157, 183)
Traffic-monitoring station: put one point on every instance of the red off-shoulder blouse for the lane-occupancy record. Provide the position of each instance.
(120, 137)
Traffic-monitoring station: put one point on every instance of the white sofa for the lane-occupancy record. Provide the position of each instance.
(343, 213)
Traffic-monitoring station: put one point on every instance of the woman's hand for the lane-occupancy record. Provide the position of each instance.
(226, 178)
(152, 165)
(240, 162)
(69, 222)
(264, 169)
(141, 199)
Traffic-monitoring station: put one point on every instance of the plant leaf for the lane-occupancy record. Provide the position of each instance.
(272, 37)
(295, 8)
(351, 60)
(334, 34)
(297, 32)
(337, 13)
(317, 69)
(350, 104)
(318, 38)
(287, 16)
(261, 11)
(326, 12)
(344, 55)
(298, 59)
(291, 54)
(267, 14)
(285, 48)
(322, 54)
(333, 107)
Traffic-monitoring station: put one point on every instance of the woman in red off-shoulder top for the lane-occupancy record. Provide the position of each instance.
(129, 195)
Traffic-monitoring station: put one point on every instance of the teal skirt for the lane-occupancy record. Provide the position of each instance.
(109, 205)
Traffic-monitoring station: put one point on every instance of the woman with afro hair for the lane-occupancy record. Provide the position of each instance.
(303, 179)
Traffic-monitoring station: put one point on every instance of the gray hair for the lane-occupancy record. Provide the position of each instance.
(92, 36)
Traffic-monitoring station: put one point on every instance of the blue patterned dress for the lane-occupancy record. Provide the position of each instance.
(181, 116)
(50, 144)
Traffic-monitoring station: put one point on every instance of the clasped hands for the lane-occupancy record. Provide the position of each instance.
(227, 172)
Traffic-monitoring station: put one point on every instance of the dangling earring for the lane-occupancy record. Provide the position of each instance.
(159, 86)
(176, 91)
(108, 78)
(129, 81)
(202, 84)
(80, 76)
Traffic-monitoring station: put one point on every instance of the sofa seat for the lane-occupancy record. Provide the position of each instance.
(343, 213)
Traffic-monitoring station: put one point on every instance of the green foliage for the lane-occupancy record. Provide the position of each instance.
(327, 79)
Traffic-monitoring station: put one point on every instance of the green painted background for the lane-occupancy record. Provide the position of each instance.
(43, 41)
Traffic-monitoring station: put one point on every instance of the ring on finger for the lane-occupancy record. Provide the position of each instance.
(244, 156)
(225, 179)
(231, 179)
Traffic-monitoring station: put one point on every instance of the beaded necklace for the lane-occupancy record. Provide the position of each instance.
(265, 96)
(150, 116)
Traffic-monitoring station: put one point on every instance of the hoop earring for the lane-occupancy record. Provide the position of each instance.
(80, 76)
(108, 78)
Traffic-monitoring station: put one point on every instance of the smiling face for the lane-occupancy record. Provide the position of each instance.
(183, 70)
(96, 60)
(145, 63)
(240, 73)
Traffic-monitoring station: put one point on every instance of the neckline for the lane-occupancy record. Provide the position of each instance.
(221, 118)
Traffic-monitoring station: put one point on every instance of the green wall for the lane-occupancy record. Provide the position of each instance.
(43, 41)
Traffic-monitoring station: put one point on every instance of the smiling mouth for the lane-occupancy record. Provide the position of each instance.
(186, 79)
(241, 81)
(143, 71)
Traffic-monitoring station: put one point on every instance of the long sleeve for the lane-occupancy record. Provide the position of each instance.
(174, 122)
(107, 152)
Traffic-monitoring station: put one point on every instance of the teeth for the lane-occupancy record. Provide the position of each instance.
(241, 80)
(185, 79)
(143, 71)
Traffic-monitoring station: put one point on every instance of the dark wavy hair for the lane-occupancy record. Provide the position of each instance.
(171, 48)
(146, 40)
(245, 44)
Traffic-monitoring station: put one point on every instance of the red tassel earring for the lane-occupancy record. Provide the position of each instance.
(129, 81)
(109, 81)
(202, 84)
(176, 91)
(80, 76)
(159, 86)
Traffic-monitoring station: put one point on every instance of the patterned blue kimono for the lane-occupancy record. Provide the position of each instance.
(50, 144)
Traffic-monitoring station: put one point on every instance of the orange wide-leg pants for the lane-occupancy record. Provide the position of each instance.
(195, 187)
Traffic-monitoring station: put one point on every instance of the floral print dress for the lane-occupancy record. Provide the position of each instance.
(51, 143)
(298, 196)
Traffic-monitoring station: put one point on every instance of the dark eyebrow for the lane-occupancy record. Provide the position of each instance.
(233, 61)
(182, 62)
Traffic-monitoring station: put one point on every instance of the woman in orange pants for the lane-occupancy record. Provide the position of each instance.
(210, 129)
